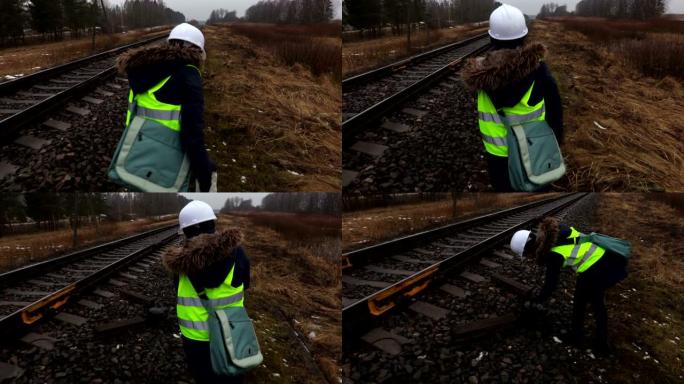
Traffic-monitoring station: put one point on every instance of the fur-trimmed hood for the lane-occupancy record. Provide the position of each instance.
(146, 67)
(499, 69)
(202, 251)
(547, 235)
(153, 56)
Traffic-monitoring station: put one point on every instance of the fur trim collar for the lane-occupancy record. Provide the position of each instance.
(498, 69)
(202, 251)
(547, 235)
(149, 56)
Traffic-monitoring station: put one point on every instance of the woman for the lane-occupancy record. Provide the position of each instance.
(166, 78)
(511, 79)
(210, 265)
(557, 245)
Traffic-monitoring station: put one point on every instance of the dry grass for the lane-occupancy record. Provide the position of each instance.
(292, 278)
(640, 147)
(360, 56)
(32, 58)
(20, 250)
(315, 46)
(650, 312)
(654, 47)
(367, 227)
(270, 127)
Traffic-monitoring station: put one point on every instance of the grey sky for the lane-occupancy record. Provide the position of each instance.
(531, 7)
(217, 200)
(200, 9)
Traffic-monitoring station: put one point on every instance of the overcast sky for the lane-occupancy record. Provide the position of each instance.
(217, 200)
(200, 9)
(531, 7)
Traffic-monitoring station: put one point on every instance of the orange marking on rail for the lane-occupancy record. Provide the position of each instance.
(377, 308)
(34, 313)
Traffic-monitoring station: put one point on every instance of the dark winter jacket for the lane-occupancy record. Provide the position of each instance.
(606, 272)
(207, 260)
(507, 74)
(147, 67)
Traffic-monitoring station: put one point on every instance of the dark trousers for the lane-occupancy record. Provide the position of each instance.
(198, 357)
(588, 293)
(498, 173)
(591, 289)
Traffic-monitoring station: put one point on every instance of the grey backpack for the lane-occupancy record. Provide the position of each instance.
(534, 156)
(233, 342)
(149, 158)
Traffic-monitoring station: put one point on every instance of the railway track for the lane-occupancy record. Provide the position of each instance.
(391, 277)
(37, 291)
(36, 109)
(380, 107)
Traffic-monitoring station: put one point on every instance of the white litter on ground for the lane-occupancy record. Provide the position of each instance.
(599, 125)
(557, 340)
(243, 179)
(293, 173)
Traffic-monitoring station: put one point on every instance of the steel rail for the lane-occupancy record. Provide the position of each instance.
(23, 273)
(12, 86)
(360, 316)
(401, 64)
(355, 124)
(48, 305)
(9, 126)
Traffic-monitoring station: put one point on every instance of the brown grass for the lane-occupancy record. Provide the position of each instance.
(32, 58)
(315, 46)
(640, 147)
(276, 125)
(366, 227)
(653, 291)
(20, 250)
(360, 56)
(314, 231)
(654, 47)
(290, 277)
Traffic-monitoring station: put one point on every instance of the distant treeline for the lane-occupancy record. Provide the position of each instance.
(624, 9)
(49, 210)
(222, 16)
(636, 9)
(300, 202)
(54, 18)
(290, 11)
(373, 15)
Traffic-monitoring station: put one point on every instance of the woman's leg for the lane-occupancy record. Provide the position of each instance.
(582, 290)
(198, 357)
(199, 360)
(601, 315)
(498, 173)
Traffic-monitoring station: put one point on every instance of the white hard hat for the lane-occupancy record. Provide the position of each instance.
(507, 23)
(519, 240)
(194, 213)
(189, 33)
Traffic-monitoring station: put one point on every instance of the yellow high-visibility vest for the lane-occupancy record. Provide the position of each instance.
(579, 255)
(191, 310)
(493, 125)
(146, 105)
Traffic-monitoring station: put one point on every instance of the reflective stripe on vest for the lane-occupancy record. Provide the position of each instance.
(493, 124)
(579, 255)
(146, 105)
(193, 317)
